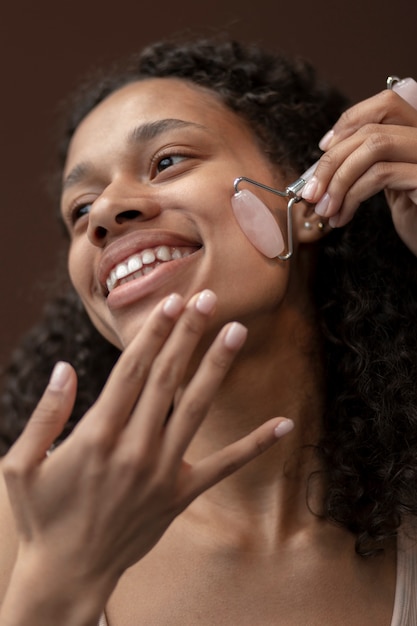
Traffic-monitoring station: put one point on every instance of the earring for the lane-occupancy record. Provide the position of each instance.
(309, 226)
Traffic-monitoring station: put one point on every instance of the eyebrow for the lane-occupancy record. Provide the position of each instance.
(150, 130)
(79, 172)
(140, 134)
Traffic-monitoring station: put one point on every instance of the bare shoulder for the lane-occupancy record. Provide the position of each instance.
(8, 537)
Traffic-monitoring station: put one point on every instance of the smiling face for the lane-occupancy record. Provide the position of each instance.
(146, 198)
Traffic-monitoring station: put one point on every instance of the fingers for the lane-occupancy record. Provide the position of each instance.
(48, 419)
(386, 107)
(371, 156)
(140, 390)
(128, 378)
(199, 394)
(219, 465)
(383, 175)
(168, 370)
(361, 147)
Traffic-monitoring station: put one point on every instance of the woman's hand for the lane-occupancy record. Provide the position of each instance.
(106, 495)
(372, 147)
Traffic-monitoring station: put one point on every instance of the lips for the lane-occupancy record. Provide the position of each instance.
(139, 253)
(144, 262)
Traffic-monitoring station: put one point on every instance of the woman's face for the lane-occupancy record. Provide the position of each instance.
(146, 198)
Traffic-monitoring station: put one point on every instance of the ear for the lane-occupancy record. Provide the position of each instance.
(308, 227)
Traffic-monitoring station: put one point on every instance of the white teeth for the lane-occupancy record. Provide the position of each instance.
(142, 264)
(121, 271)
(148, 257)
(163, 253)
(134, 263)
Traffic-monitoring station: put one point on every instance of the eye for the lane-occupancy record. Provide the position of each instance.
(80, 211)
(168, 161)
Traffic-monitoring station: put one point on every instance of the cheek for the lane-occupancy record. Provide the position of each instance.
(80, 272)
(77, 269)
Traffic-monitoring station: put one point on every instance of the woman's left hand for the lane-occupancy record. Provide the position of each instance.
(372, 147)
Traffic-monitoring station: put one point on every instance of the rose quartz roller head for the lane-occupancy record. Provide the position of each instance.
(258, 223)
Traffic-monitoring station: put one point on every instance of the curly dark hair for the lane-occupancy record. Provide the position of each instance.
(364, 288)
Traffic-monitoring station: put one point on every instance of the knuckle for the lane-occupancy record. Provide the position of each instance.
(195, 408)
(96, 443)
(131, 466)
(229, 467)
(260, 445)
(378, 142)
(14, 468)
(381, 171)
(326, 161)
(160, 327)
(48, 406)
(134, 371)
(45, 414)
(166, 373)
(192, 325)
(339, 177)
(220, 360)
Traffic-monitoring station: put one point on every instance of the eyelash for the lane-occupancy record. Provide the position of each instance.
(164, 156)
(75, 212)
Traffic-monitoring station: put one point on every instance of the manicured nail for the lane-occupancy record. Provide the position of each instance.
(172, 305)
(322, 205)
(284, 427)
(326, 140)
(310, 189)
(235, 336)
(60, 375)
(206, 301)
(334, 221)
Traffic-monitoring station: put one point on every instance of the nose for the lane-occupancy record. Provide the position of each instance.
(116, 209)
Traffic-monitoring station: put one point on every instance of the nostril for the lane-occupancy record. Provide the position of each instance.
(100, 232)
(127, 215)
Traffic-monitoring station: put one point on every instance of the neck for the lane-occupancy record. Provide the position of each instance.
(279, 378)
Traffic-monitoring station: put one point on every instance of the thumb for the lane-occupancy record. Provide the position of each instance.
(49, 417)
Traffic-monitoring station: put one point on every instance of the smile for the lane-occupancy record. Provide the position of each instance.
(144, 262)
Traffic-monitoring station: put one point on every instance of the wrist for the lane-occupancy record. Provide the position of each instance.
(42, 593)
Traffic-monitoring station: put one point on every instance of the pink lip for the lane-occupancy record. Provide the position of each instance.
(135, 242)
(134, 290)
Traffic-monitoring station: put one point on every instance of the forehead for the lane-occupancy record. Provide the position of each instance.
(151, 100)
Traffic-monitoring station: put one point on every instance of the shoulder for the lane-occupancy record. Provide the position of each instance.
(8, 536)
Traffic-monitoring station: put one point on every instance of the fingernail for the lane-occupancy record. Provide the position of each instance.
(333, 221)
(235, 336)
(60, 375)
(284, 427)
(322, 205)
(206, 301)
(310, 189)
(326, 140)
(173, 305)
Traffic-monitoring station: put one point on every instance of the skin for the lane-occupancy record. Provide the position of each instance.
(180, 201)
(117, 502)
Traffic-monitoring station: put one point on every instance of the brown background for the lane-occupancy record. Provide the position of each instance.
(46, 47)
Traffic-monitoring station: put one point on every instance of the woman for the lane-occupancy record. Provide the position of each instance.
(218, 339)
